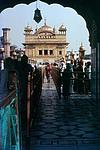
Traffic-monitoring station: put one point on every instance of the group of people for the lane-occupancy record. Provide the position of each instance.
(75, 78)
(72, 76)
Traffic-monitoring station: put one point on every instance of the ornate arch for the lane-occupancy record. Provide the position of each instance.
(89, 10)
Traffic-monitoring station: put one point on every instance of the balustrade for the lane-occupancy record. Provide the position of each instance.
(14, 134)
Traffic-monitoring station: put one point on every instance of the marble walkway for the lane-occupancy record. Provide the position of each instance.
(64, 124)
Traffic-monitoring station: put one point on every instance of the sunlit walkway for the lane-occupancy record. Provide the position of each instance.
(64, 125)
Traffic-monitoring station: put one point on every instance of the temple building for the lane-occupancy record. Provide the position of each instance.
(45, 44)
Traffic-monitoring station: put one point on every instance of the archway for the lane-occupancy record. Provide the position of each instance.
(89, 11)
(92, 25)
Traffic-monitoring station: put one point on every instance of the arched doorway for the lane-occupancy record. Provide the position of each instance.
(89, 11)
(92, 25)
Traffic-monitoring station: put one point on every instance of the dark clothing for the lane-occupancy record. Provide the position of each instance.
(87, 80)
(66, 78)
(47, 69)
(23, 70)
(75, 78)
(80, 80)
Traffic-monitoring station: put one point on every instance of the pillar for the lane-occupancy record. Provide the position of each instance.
(6, 41)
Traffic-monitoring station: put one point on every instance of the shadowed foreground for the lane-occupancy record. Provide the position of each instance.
(64, 124)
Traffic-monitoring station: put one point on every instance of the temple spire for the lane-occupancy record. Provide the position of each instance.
(45, 21)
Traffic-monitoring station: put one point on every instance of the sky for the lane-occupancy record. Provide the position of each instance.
(18, 17)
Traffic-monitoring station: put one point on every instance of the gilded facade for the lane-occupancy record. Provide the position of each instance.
(45, 44)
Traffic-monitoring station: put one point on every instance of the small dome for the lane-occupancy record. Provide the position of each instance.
(28, 28)
(62, 28)
(45, 29)
(81, 47)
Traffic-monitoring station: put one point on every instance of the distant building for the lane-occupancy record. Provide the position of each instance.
(45, 44)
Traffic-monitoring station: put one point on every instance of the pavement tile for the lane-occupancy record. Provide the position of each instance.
(89, 147)
(49, 136)
(64, 125)
(55, 148)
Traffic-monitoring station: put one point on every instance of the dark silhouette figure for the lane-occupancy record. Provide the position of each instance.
(47, 69)
(66, 80)
(23, 70)
(80, 79)
(75, 76)
(87, 78)
(6, 78)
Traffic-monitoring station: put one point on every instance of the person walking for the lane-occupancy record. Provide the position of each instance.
(66, 80)
(47, 69)
(80, 79)
(87, 77)
(75, 76)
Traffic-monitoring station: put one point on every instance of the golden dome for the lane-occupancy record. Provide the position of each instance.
(45, 29)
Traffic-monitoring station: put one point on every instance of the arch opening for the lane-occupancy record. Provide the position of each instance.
(83, 12)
